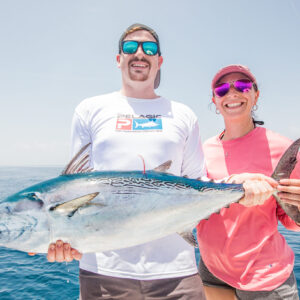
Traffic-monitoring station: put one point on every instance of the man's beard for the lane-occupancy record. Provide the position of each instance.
(138, 75)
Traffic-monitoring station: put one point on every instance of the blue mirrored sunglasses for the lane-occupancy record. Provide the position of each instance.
(130, 47)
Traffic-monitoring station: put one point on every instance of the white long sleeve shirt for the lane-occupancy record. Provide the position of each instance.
(122, 129)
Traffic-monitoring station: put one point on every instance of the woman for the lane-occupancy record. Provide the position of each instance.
(243, 254)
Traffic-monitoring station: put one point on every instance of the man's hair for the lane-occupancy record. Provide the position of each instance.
(137, 27)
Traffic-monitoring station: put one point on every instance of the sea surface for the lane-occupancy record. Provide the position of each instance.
(32, 277)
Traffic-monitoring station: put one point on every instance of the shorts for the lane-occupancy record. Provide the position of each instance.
(287, 291)
(95, 286)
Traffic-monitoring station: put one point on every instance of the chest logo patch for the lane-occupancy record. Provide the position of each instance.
(138, 124)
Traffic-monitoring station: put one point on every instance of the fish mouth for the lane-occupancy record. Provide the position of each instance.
(13, 227)
(3, 231)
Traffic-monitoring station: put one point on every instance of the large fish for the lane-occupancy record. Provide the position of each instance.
(99, 211)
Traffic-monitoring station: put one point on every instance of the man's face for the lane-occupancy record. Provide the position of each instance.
(139, 66)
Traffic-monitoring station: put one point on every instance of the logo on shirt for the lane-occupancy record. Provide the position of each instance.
(141, 123)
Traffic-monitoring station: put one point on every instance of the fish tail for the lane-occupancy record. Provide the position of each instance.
(287, 162)
(283, 170)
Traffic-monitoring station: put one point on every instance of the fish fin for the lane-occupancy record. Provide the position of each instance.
(189, 237)
(79, 163)
(291, 210)
(287, 162)
(70, 207)
(163, 167)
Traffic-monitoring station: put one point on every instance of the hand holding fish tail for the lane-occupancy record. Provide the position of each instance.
(60, 252)
(289, 191)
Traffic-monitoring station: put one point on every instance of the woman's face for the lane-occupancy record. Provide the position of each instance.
(236, 105)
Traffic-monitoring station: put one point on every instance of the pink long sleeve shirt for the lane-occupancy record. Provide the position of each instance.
(242, 245)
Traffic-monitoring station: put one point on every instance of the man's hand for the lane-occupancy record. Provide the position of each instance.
(60, 252)
(289, 191)
(258, 187)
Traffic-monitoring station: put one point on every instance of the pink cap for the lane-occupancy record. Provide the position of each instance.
(232, 69)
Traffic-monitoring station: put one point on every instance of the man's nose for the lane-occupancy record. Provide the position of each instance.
(139, 51)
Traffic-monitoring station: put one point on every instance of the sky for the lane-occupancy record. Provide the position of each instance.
(55, 53)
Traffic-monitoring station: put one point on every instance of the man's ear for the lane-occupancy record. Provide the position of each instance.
(160, 61)
(118, 58)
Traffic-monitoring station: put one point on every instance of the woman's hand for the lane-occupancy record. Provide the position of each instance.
(258, 187)
(289, 191)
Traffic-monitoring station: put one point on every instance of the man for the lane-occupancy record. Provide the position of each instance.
(121, 126)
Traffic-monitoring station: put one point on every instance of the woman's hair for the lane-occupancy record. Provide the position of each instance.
(255, 86)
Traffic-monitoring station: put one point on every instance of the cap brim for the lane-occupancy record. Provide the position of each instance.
(232, 69)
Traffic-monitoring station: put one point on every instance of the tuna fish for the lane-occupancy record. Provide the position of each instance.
(98, 211)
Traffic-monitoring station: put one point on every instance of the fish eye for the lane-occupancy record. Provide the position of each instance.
(30, 201)
(31, 196)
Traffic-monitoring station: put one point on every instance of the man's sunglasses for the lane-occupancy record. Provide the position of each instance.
(130, 47)
(241, 85)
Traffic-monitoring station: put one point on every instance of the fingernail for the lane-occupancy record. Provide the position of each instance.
(66, 247)
(52, 247)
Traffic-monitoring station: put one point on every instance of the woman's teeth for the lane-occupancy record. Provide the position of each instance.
(230, 105)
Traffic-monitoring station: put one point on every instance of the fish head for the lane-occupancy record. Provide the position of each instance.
(19, 215)
(22, 201)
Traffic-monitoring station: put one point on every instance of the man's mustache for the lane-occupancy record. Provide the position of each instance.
(136, 59)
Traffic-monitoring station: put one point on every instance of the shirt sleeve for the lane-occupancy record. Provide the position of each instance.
(285, 220)
(80, 135)
(193, 164)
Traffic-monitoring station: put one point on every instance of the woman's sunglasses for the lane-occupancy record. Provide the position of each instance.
(241, 85)
(130, 47)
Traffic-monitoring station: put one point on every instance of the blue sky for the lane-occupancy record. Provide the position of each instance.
(56, 53)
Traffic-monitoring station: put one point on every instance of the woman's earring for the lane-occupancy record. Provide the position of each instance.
(217, 111)
(255, 107)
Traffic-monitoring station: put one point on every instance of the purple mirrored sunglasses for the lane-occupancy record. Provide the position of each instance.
(241, 85)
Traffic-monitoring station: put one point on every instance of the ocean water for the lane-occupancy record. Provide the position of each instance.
(26, 277)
